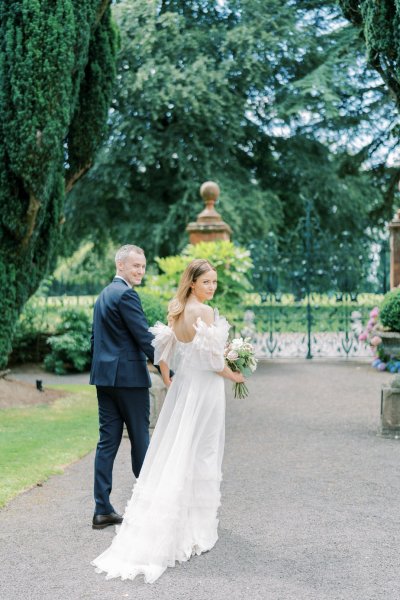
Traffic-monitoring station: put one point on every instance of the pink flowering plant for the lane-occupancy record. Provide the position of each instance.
(369, 335)
(239, 356)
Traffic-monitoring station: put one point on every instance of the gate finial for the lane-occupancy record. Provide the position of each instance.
(209, 225)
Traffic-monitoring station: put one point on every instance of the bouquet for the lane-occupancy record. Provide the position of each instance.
(239, 356)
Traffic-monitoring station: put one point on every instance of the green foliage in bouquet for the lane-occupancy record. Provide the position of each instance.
(390, 311)
(70, 347)
(233, 264)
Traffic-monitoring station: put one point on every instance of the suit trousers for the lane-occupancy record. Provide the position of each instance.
(116, 407)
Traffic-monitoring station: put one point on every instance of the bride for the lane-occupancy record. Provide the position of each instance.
(172, 513)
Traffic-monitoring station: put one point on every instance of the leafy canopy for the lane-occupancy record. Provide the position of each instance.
(262, 96)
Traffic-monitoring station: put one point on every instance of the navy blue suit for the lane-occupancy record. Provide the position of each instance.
(121, 345)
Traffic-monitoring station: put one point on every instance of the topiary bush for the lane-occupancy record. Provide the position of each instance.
(390, 311)
(70, 347)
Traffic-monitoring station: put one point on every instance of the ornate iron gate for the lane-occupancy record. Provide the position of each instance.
(314, 293)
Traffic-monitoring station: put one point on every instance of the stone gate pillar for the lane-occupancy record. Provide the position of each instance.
(394, 228)
(209, 225)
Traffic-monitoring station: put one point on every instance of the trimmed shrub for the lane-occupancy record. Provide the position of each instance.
(154, 306)
(31, 332)
(70, 348)
(390, 311)
(233, 264)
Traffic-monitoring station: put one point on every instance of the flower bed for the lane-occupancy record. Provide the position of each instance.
(385, 345)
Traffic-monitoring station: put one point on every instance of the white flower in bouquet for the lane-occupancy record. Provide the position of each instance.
(239, 356)
(236, 343)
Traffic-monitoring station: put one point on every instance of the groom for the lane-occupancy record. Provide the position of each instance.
(120, 344)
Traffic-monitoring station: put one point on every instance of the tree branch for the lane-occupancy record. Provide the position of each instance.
(73, 178)
(31, 215)
(101, 10)
(385, 70)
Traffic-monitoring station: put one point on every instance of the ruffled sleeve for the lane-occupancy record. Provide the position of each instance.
(209, 344)
(164, 343)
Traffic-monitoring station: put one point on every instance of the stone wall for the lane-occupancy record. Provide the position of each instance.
(157, 395)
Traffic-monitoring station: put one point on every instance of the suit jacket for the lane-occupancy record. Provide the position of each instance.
(120, 342)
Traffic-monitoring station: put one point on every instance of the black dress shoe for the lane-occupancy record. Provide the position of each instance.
(102, 521)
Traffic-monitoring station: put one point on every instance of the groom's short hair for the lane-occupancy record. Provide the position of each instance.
(123, 252)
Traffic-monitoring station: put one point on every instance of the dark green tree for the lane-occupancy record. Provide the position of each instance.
(177, 119)
(263, 96)
(379, 22)
(57, 66)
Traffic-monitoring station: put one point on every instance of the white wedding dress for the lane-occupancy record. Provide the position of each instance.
(172, 513)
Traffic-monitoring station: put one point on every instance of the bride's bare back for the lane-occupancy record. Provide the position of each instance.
(183, 327)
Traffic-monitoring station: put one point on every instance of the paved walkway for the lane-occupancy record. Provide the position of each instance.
(310, 506)
(31, 372)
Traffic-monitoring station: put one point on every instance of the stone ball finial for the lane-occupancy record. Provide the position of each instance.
(209, 225)
(209, 191)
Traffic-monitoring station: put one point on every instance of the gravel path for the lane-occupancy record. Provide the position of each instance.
(310, 506)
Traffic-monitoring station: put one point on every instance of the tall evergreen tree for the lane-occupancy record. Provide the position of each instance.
(379, 21)
(57, 66)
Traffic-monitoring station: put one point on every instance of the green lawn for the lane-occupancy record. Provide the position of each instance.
(39, 441)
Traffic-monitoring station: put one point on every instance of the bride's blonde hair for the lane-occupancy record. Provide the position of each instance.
(193, 271)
